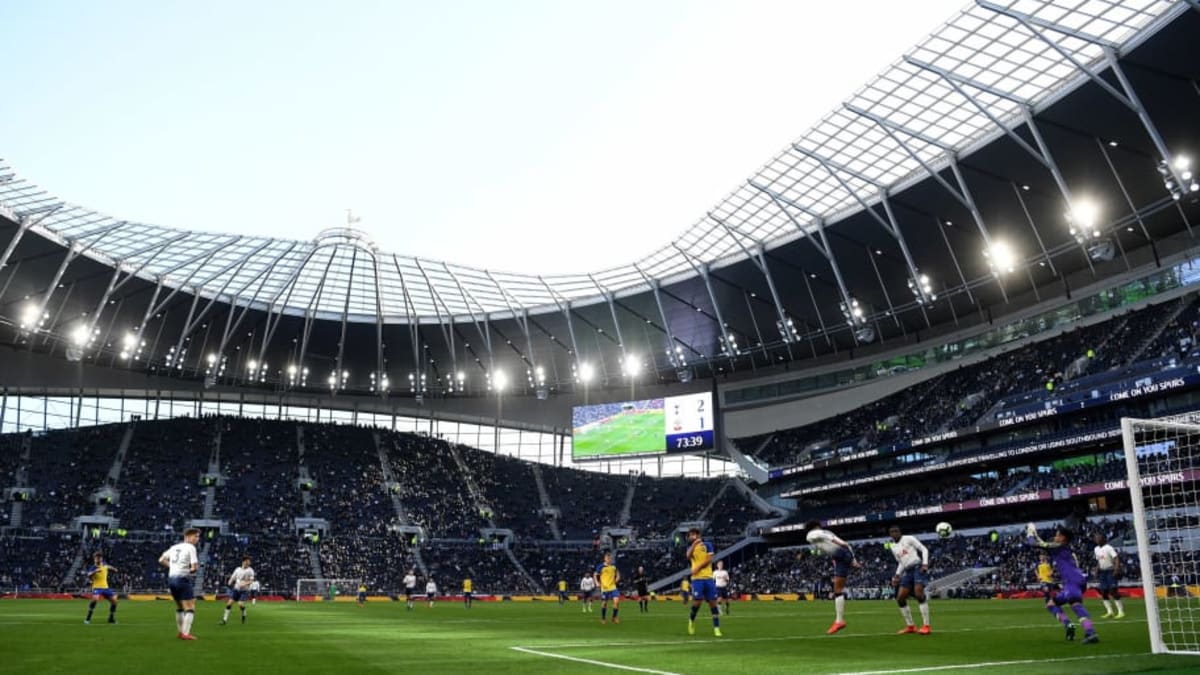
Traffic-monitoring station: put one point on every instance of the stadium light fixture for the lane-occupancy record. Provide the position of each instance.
(922, 289)
(251, 366)
(1001, 258)
(631, 366)
(80, 335)
(499, 380)
(30, 319)
(853, 312)
(586, 372)
(1083, 219)
(787, 329)
(1181, 181)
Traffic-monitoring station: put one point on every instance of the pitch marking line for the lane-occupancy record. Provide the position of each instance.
(983, 664)
(593, 662)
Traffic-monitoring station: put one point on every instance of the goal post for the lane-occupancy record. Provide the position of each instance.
(1162, 462)
(326, 589)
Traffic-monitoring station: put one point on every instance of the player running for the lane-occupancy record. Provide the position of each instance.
(98, 575)
(843, 560)
(1073, 581)
(1109, 564)
(239, 587)
(700, 555)
(468, 592)
(912, 563)
(587, 587)
(608, 576)
(410, 587)
(642, 583)
(181, 562)
(721, 577)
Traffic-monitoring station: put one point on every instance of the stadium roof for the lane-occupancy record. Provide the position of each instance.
(973, 80)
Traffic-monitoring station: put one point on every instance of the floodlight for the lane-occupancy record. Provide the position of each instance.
(1001, 257)
(586, 372)
(499, 380)
(80, 335)
(632, 365)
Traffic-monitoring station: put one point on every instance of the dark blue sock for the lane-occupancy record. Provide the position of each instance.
(615, 610)
(695, 608)
(91, 608)
(716, 614)
(604, 612)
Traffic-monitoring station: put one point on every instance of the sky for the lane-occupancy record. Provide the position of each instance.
(515, 135)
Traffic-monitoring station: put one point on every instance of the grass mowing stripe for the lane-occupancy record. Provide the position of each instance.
(602, 664)
(985, 664)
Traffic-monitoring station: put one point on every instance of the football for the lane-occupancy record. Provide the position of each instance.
(944, 530)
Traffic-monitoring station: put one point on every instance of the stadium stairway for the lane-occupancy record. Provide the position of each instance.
(672, 580)
(627, 506)
(17, 515)
(756, 499)
(544, 498)
(1018, 487)
(754, 471)
(401, 512)
(305, 495)
(1153, 335)
(214, 467)
(942, 586)
(704, 514)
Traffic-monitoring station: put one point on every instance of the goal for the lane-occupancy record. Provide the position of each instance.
(325, 589)
(1162, 459)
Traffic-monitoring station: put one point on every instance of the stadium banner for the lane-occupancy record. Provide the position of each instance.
(1151, 385)
(1016, 450)
(656, 426)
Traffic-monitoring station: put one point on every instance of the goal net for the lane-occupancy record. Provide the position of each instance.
(1162, 458)
(326, 589)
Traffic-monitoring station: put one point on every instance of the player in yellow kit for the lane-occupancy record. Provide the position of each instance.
(562, 591)
(700, 555)
(468, 592)
(607, 577)
(685, 589)
(1045, 576)
(98, 574)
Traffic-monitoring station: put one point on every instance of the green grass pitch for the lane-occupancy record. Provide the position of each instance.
(989, 636)
(624, 434)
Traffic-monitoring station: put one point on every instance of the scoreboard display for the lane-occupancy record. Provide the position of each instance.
(643, 427)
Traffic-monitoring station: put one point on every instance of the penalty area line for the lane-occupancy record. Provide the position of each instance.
(982, 664)
(593, 662)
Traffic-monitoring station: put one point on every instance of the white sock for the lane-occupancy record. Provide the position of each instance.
(226, 617)
(839, 605)
(188, 618)
(924, 607)
(906, 612)
(1107, 607)
(1120, 607)
(179, 621)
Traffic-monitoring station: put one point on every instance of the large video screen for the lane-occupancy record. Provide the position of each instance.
(647, 427)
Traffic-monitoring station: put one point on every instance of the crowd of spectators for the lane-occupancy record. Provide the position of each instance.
(160, 481)
(350, 491)
(490, 569)
(732, 512)
(380, 561)
(589, 501)
(957, 399)
(259, 465)
(660, 505)
(65, 468)
(510, 489)
(432, 487)
(36, 562)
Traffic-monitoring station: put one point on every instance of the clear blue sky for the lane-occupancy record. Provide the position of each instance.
(538, 136)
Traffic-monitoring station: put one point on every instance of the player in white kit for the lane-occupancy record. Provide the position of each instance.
(587, 589)
(430, 592)
(410, 587)
(182, 562)
(1108, 562)
(912, 563)
(239, 589)
(843, 560)
(721, 578)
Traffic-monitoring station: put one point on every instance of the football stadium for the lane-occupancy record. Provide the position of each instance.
(916, 389)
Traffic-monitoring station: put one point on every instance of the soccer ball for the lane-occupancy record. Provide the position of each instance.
(944, 530)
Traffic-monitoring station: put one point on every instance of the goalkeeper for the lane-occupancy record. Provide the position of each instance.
(1073, 582)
